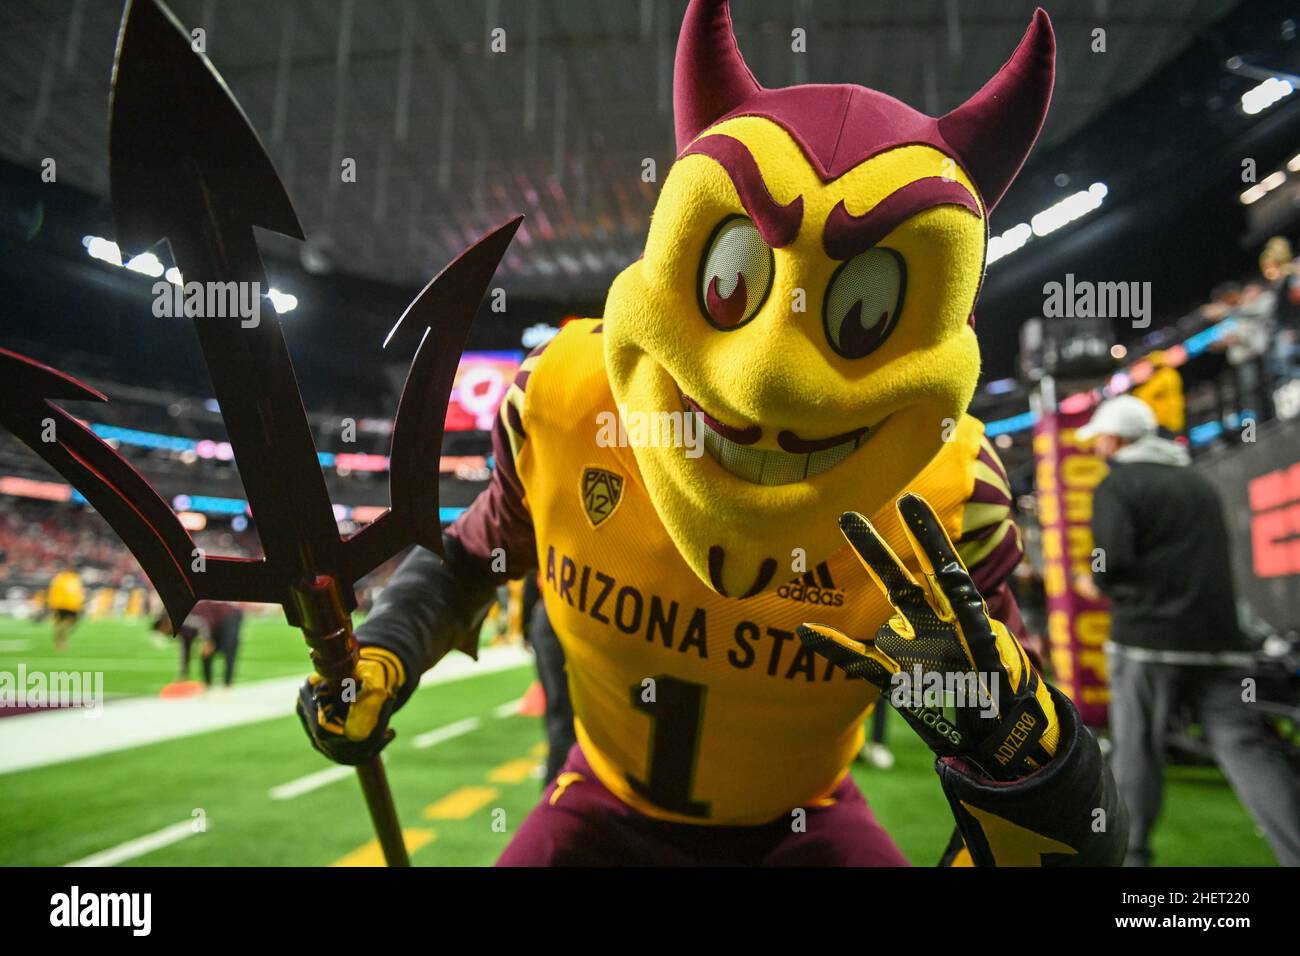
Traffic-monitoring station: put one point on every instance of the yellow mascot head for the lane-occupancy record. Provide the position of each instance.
(806, 293)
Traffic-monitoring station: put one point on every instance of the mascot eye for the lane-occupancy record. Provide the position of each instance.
(863, 301)
(736, 274)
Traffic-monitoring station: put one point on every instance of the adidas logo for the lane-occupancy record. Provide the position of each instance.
(812, 588)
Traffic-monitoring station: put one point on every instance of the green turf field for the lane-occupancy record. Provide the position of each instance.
(449, 795)
(135, 660)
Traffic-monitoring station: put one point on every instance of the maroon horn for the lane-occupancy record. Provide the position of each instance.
(710, 77)
(994, 130)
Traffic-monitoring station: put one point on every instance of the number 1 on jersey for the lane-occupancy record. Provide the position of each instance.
(676, 714)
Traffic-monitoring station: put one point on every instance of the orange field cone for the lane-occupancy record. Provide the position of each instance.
(182, 688)
(533, 703)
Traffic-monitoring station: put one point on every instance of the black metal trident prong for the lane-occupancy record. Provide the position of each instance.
(186, 165)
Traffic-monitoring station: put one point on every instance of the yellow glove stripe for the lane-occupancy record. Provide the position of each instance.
(970, 657)
(935, 595)
(327, 721)
(1016, 663)
(1012, 657)
(1011, 844)
(922, 557)
(390, 661)
(1052, 735)
(840, 638)
(887, 554)
(857, 649)
(373, 692)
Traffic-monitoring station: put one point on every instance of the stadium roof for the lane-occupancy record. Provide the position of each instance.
(450, 138)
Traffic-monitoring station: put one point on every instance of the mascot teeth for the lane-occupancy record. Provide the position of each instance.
(763, 466)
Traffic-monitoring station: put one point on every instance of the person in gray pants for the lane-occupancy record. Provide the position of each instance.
(1143, 692)
(1163, 561)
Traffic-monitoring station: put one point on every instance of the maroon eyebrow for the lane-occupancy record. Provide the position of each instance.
(845, 235)
(777, 224)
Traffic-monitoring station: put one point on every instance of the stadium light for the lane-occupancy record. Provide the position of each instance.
(1068, 210)
(1263, 187)
(1052, 218)
(146, 263)
(1259, 98)
(105, 250)
(1009, 242)
(283, 301)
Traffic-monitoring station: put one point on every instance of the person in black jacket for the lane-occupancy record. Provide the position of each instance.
(1163, 562)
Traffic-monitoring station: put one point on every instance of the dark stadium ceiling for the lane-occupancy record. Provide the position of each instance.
(450, 138)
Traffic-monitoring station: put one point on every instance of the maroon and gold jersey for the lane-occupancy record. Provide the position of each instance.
(755, 724)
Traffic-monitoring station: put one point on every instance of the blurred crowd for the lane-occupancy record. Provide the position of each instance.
(40, 538)
(1262, 349)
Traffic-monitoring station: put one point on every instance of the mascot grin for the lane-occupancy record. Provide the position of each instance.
(807, 290)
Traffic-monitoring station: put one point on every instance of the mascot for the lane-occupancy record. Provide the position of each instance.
(757, 505)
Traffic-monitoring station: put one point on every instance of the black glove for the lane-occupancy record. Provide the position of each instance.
(979, 698)
(349, 724)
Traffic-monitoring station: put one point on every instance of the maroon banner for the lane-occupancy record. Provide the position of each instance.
(1077, 626)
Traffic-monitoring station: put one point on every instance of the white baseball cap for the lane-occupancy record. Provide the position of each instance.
(1124, 416)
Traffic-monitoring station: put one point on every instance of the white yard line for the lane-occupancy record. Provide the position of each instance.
(14, 645)
(508, 709)
(313, 781)
(431, 738)
(457, 729)
(139, 846)
(39, 739)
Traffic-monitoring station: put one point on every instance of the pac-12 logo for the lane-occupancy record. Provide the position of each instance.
(602, 490)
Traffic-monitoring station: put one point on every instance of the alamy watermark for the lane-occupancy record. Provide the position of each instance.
(209, 300)
(133, 911)
(1083, 299)
(626, 429)
(40, 689)
(944, 691)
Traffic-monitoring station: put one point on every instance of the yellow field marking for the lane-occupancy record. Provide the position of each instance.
(513, 771)
(460, 804)
(539, 750)
(371, 855)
